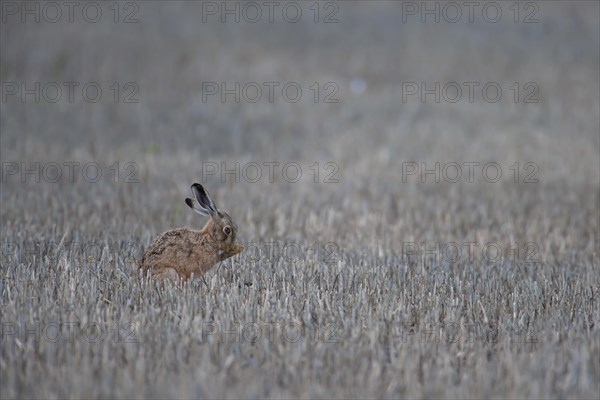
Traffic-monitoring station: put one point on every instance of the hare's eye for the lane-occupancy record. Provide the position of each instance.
(227, 230)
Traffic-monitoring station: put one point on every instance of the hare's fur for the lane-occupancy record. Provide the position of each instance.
(181, 252)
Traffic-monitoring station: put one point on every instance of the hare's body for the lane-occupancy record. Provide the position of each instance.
(181, 252)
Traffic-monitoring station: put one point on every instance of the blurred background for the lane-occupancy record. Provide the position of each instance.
(155, 95)
(169, 53)
(363, 69)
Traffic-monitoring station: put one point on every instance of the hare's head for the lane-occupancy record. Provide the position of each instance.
(221, 227)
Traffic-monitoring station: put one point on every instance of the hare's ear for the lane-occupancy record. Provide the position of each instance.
(196, 207)
(204, 199)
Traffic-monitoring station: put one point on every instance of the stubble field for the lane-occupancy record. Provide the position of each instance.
(395, 246)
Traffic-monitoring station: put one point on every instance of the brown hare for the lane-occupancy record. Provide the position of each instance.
(181, 252)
